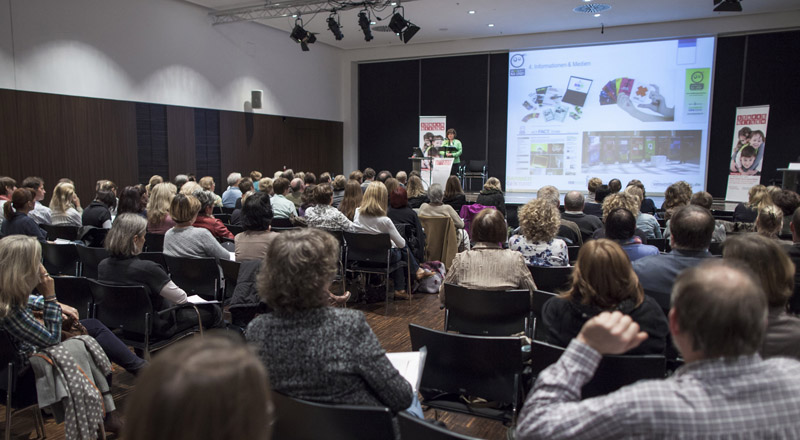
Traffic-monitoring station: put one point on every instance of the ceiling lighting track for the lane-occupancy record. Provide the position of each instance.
(288, 8)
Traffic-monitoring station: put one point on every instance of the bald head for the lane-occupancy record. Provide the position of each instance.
(574, 201)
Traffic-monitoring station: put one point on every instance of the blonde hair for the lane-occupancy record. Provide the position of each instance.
(184, 208)
(375, 200)
(62, 198)
(593, 184)
(189, 188)
(119, 241)
(539, 220)
(620, 200)
(637, 192)
(769, 221)
(603, 276)
(769, 262)
(207, 183)
(758, 197)
(265, 185)
(20, 258)
(160, 198)
(414, 187)
(492, 183)
(154, 180)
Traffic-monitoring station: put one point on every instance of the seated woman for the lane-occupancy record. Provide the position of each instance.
(539, 221)
(132, 200)
(205, 218)
(65, 206)
(416, 192)
(676, 196)
(487, 265)
(124, 242)
(492, 195)
(769, 221)
(98, 213)
(351, 199)
(339, 183)
(758, 198)
(603, 280)
(158, 218)
(184, 240)
(236, 215)
(401, 214)
(774, 269)
(647, 223)
(323, 215)
(312, 351)
(15, 212)
(437, 208)
(252, 244)
(454, 194)
(187, 392)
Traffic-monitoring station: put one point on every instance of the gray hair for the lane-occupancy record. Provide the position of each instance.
(435, 193)
(549, 193)
(234, 178)
(206, 198)
(574, 201)
(119, 241)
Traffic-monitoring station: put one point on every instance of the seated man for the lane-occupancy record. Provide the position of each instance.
(232, 194)
(573, 211)
(725, 390)
(296, 196)
(281, 206)
(704, 199)
(621, 227)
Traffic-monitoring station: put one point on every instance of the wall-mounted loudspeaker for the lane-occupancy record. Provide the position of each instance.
(255, 101)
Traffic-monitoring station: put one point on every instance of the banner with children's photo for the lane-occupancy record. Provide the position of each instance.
(432, 130)
(747, 154)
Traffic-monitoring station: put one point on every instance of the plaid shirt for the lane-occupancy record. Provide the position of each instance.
(720, 398)
(28, 333)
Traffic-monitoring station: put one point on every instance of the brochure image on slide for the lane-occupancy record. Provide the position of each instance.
(577, 90)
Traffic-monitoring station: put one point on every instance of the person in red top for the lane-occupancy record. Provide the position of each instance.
(206, 220)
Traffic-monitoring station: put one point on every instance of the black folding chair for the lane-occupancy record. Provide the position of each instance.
(297, 419)
(372, 253)
(63, 232)
(474, 169)
(572, 251)
(660, 243)
(61, 259)
(234, 229)
(153, 242)
(230, 271)
(538, 299)
(476, 366)
(551, 279)
(412, 427)
(155, 257)
(76, 292)
(224, 218)
(18, 383)
(281, 223)
(93, 237)
(486, 312)
(90, 258)
(196, 276)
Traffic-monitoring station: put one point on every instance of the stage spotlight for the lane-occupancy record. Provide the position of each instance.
(402, 27)
(302, 36)
(363, 21)
(397, 24)
(336, 30)
(727, 6)
(410, 32)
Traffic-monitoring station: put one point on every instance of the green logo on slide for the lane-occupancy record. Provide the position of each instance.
(696, 80)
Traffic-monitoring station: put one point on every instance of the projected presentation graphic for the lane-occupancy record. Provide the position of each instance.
(626, 111)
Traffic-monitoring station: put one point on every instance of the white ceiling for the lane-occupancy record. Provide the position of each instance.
(445, 20)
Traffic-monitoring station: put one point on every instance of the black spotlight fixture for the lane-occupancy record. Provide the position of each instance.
(727, 6)
(402, 27)
(363, 22)
(335, 28)
(302, 36)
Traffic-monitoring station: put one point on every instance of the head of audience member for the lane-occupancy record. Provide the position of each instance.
(63, 198)
(307, 258)
(453, 187)
(68, 180)
(401, 177)
(692, 227)
(718, 309)
(322, 195)
(620, 225)
(186, 393)
(106, 185)
(603, 277)
(207, 183)
(190, 188)
(769, 262)
(636, 192)
(277, 174)
(288, 174)
(758, 197)
(297, 185)
(107, 199)
(309, 179)
(307, 197)
(351, 199)
(154, 180)
(257, 212)
(383, 175)
(795, 225)
(678, 194)
(280, 186)
(245, 185)
(415, 173)
(144, 193)
(339, 182)
(375, 200)
(36, 184)
(7, 187)
(435, 194)
(206, 199)
(23, 200)
(769, 221)
(593, 184)
(492, 184)
(233, 179)
(357, 176)
(184, 209)
(549, 193)
(702, 198)
(191, 177)
(638, 183)
(299, 175)
(369, 175)
(391, 183)
(574, 201)
(265, 185)
(620, 200)
(787, 200)
(489, 226)
(127, 235)
(398, 198)
(539, 220)
(21, 260)
(601, 193)
(414, 187)
(255, 176)
(614, 185)
(160, 199)
(325, 178)
(130, 200)
(180, 180)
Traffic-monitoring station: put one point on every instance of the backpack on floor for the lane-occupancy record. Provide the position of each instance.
(432, 283)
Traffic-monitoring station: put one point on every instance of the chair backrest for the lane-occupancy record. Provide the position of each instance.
(90, 258)
(476, 166)
(368, 248)
(224, 218)
(478, 366)
(538, 298)
(441, 241)
(155, 257)
(123, 307)
(16, 382)
(154, 242)
(660, 243)
(196, 276)
(76, 292)
(230, 270)
(234, 229)
(715, 248)
(92, 236)
(297, 419)
(65, 232)
(486, 312)
(613, 373)
(551, 279)
(412, 427)
(572, 251)
(60, 258)
(281, 223)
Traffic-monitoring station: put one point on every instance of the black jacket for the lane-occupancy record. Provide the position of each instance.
(492, 197)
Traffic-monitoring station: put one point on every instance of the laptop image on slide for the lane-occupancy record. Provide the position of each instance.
(577, 90)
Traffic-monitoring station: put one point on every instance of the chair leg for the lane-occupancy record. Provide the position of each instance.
(409, 287)
(37, 415)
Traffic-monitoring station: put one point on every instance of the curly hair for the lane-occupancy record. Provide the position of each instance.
(621, 200)
(298, 269)
(539, 220)
(758, 197)
(678, 194)
(769, 221)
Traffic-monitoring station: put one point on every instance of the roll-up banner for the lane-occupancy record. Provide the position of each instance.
(747, 154)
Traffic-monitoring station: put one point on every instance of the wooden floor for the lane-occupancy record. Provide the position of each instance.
(390, 324)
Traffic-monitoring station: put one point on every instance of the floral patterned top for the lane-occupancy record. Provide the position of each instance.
(540, 253)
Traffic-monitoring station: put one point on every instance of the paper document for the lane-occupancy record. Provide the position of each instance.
(197, 299)
(410, 365)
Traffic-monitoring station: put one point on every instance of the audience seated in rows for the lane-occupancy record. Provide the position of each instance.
(368, 177)
(185, 240)
(676, 196)
(7, 187)
(158, 219)
(757, 198)
(645, 222)
(619, 200)
(788, 201)
(568, 230)
(539, 221)
(769, 221)
(265, 186)
(338, 190)
(591, 188)
(436, 208)
(252, 244)
(133, 199)
(596, 208)
(245, 185)
(621, 228)
(725, 390)
(16, 214)
(296, 192)
(573, 211)
(648, 205)
(401, 214)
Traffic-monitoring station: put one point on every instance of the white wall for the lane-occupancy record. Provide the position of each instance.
(162, 51)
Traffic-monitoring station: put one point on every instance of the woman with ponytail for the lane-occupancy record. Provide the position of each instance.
(15, 212)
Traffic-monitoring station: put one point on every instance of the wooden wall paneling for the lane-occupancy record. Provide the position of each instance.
(9, 143)
(180, 141)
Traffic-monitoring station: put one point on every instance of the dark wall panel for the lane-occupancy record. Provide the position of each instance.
(498, 115)
(207, 146)
(151, 140)
(181, 140)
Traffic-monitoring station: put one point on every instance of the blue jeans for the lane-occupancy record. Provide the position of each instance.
(115, 349)
(399, 276)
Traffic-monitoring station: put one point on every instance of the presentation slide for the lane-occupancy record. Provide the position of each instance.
(627, 111)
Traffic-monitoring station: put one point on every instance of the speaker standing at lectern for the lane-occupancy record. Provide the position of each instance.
(451, 147)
